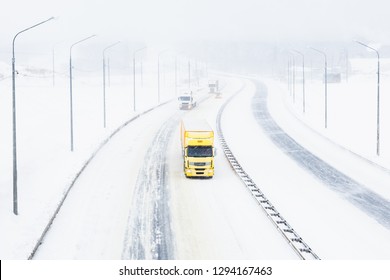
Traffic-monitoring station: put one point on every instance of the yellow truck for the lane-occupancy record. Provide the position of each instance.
(197, 141)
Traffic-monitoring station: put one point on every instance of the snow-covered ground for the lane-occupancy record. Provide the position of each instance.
(210, 219)
(46, 167)
(332, 226)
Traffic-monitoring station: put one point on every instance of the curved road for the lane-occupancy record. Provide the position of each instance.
(359, 195)
(133, 201)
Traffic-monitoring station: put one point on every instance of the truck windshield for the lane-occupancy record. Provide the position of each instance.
(185, 98)
(200, 151)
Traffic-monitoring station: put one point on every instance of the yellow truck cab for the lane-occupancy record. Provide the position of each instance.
(197, 140)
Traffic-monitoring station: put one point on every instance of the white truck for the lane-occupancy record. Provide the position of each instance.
(186, 101)
(213, 86)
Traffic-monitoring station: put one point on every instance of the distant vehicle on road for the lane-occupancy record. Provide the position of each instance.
(213, 86)
(186, 101)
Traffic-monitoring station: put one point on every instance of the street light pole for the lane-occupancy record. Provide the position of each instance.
(293, 61)
(53, 57)
(346, 65)
(134, 107)
(377, 100)
(189, 74)
(303, 80)
(175, 76)
(197, 72)
(326, 85)
(288, 76)
(14, 153)
(104, 82)
(293, 76)
(158, 79)
(71, 89)
(158, 75)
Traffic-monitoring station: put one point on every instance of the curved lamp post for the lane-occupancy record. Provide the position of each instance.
(288, 76)
(377, 100)
(134, 53)
(293, 76)
(175, 76)
(104, 81)
(158, 75)
(189, 74)
(303, 80)
(326, 85)
(15, 170)
(71, 89)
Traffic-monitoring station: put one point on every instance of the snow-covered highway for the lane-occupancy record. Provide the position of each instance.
(133, 201)
(209, 219)
(334, 227)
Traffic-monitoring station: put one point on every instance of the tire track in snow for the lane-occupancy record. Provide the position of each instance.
(368, 201)
(149, 228)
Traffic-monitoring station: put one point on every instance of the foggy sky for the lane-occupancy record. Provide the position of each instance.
(197, 20)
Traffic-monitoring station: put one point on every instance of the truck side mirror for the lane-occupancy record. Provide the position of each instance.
(215, 151)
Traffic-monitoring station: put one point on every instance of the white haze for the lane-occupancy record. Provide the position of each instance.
(196, 20)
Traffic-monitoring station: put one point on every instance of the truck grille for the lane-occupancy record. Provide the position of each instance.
(199, 163)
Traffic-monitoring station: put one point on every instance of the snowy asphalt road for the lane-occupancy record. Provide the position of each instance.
(92, 223)
(151, 200)
(133, 201)
(359, 195)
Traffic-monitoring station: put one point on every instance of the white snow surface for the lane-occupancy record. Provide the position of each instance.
(210, 219)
